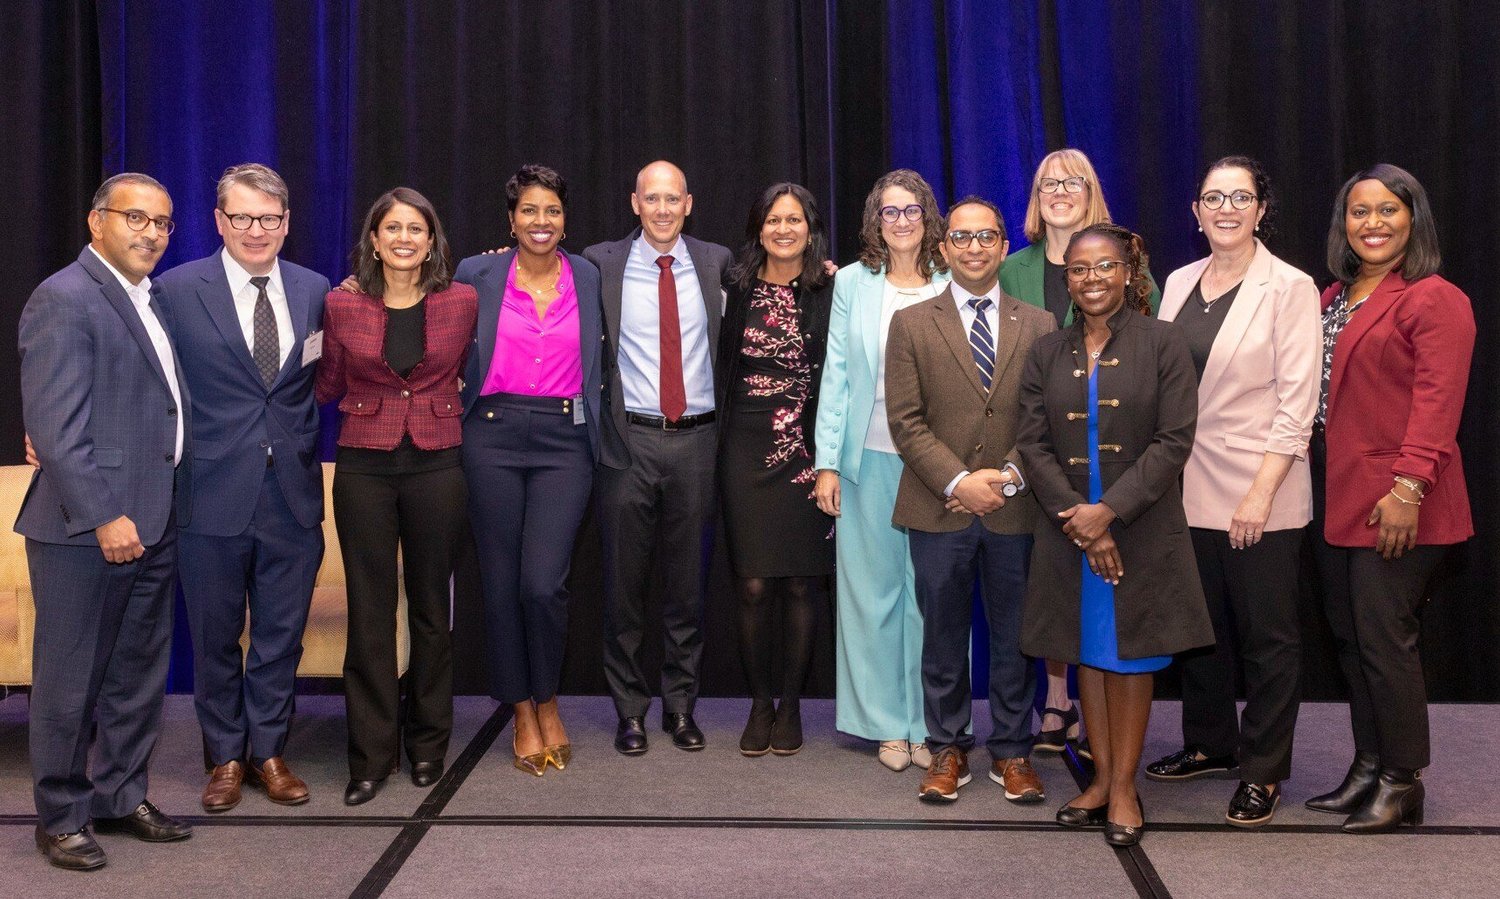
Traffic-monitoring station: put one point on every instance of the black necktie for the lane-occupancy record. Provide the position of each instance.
(266, 349)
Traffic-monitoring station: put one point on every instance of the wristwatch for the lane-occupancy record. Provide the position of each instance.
(1009, 489)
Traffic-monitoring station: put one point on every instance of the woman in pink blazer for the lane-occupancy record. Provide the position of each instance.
(1388, 480)
(1251, 322)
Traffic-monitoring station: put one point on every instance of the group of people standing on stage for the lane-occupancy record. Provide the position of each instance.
(1126, 473)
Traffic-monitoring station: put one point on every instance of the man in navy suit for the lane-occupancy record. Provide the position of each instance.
(663, 302)
(247, 327)
(108, 418)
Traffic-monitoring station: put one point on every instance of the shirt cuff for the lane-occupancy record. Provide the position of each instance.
(1015, 476)
(948, 491)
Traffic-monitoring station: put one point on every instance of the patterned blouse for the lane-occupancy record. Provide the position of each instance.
(1335, 317)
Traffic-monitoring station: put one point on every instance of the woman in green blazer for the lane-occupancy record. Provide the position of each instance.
(1065, 199)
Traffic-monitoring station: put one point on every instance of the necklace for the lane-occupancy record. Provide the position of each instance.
(556, 274)
(1094, 354)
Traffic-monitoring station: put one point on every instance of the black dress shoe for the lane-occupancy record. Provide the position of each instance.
(786, 734)
(1397, 799)
(1056, 740)
(1185, 765)
(1252, 805)
(361, 791)
(1347, 797)
(1124, 836)
(146, 823)
(425, 774)
(756, 740)
(74, 851)
(630, 736)
(685, 733)
(1073, 816)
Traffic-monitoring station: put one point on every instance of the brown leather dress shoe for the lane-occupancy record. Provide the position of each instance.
(281, 785)
(223, 790)
(949, 771)
(1020, 781)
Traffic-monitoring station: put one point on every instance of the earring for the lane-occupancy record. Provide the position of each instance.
(513, 232)
(377, 254)
(1200, 229)
(429, 256)
(1257, 226)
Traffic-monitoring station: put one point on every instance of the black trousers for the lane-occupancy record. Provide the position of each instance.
(422, 513)
(1252, 601)
(1373, 607)
(659, 507)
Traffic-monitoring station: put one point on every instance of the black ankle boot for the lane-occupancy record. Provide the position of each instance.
(1356, 788)
(1396, 800)
(786, 735)
(756, 740)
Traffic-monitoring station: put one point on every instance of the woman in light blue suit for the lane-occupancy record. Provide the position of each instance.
(879, 675)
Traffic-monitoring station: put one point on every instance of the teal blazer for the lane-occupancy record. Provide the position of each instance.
(1022, 273)
(846, 395)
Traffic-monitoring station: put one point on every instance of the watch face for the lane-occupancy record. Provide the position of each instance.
(1009, 489)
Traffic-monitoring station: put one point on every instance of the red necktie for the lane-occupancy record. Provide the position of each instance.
(673, 394)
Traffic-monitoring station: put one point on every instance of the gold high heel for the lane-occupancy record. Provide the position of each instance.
(559, 756)
(535, 763)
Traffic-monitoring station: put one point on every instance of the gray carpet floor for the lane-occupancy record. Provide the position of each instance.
(827, 822)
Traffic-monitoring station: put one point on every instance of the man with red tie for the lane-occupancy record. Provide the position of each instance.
(663, 303)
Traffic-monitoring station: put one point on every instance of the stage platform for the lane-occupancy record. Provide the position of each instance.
(827, 822)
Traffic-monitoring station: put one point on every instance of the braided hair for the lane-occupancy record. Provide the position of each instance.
(1133, 249)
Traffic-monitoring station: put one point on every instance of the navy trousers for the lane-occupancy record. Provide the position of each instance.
(245, 705)
(946, 567)
(103, 641)
(529, 471)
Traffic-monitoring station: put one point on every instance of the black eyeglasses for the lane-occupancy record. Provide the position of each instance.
(1103, 268)
(1071, 185)
(137, 220)
(912, 213)
(1240, 199)
(239, 221)
(987, 238)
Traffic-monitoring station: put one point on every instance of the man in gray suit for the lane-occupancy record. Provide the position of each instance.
(106, 411)
(663, 302)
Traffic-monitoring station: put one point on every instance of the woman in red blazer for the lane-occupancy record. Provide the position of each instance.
(1388, 483)
(392, 354)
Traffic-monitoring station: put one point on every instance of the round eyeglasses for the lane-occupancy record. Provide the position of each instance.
(1240, 199)
(137, 220)
(890, 214)
(987, 238)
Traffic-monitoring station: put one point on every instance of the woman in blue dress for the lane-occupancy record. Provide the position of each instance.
(1108, 407)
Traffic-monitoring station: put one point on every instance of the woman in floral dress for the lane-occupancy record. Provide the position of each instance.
(780, 544)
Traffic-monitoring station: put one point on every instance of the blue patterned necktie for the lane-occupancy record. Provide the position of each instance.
(982, 342)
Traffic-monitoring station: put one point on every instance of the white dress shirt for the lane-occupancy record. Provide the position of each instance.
(892, 300)
(140, 298)
(245, 294)
(640, 331)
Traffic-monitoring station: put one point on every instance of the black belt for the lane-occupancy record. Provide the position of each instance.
(661, 423)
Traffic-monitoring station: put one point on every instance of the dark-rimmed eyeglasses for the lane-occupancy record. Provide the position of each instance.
(1103, 268)
(1240, 199)
(1072, 185)
(987, 238)
(137, 220)
(240, 221)
(912, 213)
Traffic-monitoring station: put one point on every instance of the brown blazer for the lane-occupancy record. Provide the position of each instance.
(1147, 409)
(942, 419)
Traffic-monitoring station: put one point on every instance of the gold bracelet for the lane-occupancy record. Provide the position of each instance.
(1403, 500)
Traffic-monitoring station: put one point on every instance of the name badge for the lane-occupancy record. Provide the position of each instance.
(312, 348)
(578, 409)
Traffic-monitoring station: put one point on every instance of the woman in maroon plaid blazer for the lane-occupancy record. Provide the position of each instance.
(392, 354)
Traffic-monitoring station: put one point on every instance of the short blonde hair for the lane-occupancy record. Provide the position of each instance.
(1075, 164)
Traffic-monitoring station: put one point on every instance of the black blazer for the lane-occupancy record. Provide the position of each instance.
(1147, 411)
(711, 261)
(813, 305)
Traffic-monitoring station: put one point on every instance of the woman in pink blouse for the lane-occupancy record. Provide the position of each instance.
(531, 438)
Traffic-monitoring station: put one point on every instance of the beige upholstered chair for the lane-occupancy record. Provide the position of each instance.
(323, 643)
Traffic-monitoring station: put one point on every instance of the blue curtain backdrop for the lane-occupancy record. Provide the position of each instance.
(348, 97)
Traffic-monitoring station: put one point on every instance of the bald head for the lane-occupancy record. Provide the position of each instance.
(662, 202)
